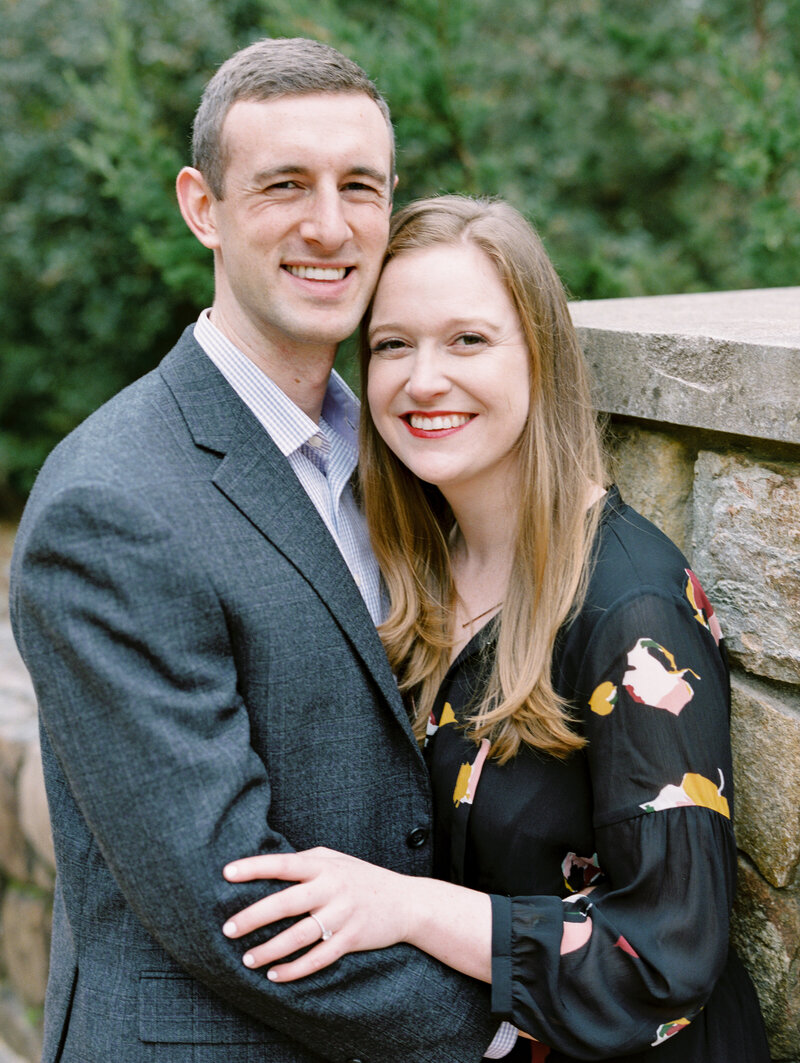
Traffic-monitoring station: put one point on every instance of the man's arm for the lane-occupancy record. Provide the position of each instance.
(128, 646)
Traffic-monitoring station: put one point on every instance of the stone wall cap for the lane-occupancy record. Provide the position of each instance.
(725, 361)
(761, 316)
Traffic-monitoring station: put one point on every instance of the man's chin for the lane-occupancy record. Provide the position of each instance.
(328, 333)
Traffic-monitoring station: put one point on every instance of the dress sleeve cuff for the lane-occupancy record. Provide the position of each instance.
(501, 956)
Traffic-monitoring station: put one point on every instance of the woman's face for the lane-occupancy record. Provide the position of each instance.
(449, 381)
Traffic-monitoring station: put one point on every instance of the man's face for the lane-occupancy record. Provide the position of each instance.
(301, 229)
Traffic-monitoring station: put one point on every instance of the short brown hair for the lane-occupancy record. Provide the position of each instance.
(271, 67)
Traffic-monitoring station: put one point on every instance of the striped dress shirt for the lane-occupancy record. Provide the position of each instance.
(323, 456)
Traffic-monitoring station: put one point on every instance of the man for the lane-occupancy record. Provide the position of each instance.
(185, 596)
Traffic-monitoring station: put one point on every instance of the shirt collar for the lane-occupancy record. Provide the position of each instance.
(288, 425)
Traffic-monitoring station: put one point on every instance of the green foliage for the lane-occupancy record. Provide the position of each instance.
(656, 147)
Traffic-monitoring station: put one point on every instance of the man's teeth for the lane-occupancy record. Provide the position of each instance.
(318, 273)
(434, 424)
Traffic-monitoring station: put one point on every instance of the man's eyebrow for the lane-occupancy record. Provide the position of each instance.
(381, 176)
(277, 171)
(288, 170)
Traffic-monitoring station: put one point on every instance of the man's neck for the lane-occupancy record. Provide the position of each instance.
(301, 371)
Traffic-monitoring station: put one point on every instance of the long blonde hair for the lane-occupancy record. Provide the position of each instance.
(560, 458)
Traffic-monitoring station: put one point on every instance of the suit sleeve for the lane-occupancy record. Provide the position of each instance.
(128, 645)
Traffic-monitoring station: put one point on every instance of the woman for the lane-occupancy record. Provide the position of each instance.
(562, 662)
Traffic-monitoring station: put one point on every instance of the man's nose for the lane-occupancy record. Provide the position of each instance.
(325, 223)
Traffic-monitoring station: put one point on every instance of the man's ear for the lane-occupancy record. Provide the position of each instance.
(196, 201)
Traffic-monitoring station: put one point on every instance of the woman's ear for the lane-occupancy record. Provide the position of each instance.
(196, 201)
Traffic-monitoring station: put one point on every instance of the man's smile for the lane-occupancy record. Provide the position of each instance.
(319, 273)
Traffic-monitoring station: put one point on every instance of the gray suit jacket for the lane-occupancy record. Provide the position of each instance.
(210, 685)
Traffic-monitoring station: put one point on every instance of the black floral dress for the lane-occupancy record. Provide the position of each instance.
(640, 968)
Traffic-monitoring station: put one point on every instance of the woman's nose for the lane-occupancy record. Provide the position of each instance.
(427, 377)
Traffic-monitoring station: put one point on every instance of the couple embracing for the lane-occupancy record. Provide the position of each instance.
(428, 765)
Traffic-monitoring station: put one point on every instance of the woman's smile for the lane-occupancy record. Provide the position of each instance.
(449, 380)
(435, 424)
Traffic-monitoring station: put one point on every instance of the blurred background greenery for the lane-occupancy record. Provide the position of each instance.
(655, 145)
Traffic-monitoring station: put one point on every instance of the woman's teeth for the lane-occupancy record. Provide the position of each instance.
(435, 424)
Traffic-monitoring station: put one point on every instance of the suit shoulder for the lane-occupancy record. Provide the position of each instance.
(129, 435)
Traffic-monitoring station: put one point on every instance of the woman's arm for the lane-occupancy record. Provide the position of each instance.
(364, 907)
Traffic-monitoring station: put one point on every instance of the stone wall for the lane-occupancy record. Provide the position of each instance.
(702, 393)
(26, 851)
(703, 398)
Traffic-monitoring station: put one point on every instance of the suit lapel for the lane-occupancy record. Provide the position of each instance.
(257, 479)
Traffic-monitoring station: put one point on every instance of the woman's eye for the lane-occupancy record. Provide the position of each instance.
(470, 339)
(388, 347)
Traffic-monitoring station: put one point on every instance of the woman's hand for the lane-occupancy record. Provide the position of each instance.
(350, 906)
(358, 906)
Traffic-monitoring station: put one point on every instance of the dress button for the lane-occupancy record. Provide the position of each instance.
(417, 838)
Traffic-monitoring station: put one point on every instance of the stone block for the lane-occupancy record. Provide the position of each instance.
(21, 1033)
(726, 361)
(8, 1055)
(33, 811)
(26, 916)
(766, 931)
(13, 849)
(655, 474)
(746, 551)
(765, 735)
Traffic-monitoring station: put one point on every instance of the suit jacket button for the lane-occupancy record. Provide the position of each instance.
(417, 838)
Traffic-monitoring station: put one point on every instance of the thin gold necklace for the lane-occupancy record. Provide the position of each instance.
(485, 611)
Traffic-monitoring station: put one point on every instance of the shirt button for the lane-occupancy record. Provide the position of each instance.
(417, 838)
(315, 441)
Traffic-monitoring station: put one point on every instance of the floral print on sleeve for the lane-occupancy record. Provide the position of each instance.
(652, 685)
(703, 610)
(693, 790)
(652, 678)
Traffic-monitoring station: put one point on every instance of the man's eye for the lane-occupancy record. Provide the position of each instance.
(362, 189)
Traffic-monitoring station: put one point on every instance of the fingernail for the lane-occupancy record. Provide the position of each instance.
(249, 959)
(273, 976)
(229, 930)
(231, 871)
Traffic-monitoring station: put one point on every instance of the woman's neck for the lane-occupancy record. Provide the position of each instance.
(482, 557)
